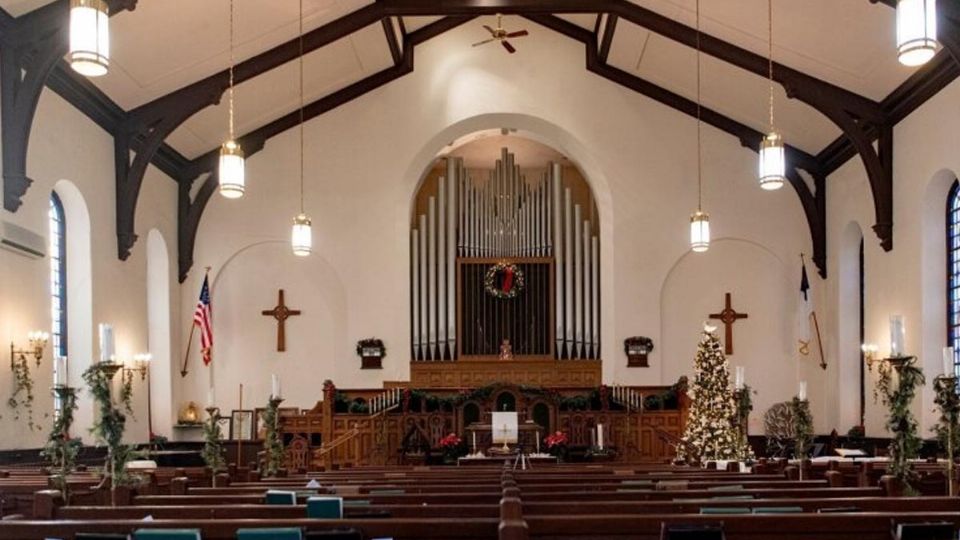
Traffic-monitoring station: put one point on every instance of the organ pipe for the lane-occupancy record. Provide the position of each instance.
(468, 224)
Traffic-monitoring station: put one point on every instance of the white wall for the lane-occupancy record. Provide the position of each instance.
(910, 280)
(364, 161)
(70, 152)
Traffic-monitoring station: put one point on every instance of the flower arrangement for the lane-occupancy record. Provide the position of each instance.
(451, 441)
(557, 439)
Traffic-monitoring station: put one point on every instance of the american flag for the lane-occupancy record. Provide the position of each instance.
(201, 318)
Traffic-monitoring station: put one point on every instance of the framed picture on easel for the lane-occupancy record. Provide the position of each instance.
(241, 425)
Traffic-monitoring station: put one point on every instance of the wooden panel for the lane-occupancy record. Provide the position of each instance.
(475, 373)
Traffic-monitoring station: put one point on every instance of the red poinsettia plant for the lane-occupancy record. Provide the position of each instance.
(554, 440)
(450, 442)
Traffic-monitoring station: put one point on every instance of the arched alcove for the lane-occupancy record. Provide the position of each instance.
(158, 335)
(849, 327)
(79, 296)
(763, 287)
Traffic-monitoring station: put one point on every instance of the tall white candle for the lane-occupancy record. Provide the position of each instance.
(474, 433)
(739, 378)
(274, 386)
(538, 442)
(802, 394)
(896, 336)
(60, 376)
(600, 436)
(211, 397)
(107, 351)
(948, 362)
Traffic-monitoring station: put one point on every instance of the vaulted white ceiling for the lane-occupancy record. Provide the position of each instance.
(166, 44)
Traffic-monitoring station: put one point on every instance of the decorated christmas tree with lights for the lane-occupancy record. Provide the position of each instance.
(710, 430)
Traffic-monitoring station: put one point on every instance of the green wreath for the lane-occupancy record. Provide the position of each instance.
(503, 280)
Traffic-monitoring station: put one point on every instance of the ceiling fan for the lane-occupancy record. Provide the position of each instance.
(501, 35)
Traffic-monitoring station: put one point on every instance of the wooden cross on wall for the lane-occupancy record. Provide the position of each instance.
(281, 313)
(728, 316)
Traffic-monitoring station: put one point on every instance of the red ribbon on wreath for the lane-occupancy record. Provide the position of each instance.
(507, 280)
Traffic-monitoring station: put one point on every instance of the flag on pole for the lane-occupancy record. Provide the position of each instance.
(805, 310)
(201, 319)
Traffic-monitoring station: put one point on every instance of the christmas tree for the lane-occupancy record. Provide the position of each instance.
(710, 429)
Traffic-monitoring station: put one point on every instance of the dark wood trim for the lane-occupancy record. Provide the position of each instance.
(31, 47)
(814, 205)
(607, 39)
(392, 42)
(190, 212)
(146, 127)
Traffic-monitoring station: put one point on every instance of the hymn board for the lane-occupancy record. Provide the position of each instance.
(504, 260)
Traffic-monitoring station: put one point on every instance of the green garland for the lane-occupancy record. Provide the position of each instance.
(23, 385)
(212, 446)
(906, 443)
(948, 426)
(272, 444)
(109, 425)
(126, 391)
(744, 401)
(802, 426)
(61, 450)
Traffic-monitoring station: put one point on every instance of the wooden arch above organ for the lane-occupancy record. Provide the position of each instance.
(504, 266)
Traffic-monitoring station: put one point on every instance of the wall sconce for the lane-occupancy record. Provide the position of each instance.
(37, 340)
(869, 354)
(140, 364)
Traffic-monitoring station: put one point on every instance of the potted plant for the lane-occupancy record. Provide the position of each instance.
(556, 444)
(452, 448)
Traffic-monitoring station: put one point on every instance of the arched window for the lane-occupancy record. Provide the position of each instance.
(58, 278)
(953, 270)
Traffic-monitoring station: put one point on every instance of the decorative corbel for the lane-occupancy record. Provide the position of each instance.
(30, 47)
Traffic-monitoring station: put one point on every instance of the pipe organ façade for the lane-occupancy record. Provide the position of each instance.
(505, 261)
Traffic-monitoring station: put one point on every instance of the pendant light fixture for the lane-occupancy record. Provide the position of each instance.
(916, 31)
(89, 52)
(772, 156)
(699, 220)
(301, 238)
(231, 170)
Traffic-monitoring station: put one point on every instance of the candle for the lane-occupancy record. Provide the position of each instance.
(60, 376)
(803, 391)
(211, 397)
(107, 352)
(948, 362)
(538, 441)
(600, 436)
(739, 378)
(896, 336)
(474, 433)
(274, 386)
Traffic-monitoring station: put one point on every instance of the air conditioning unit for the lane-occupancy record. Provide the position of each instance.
(22, 241)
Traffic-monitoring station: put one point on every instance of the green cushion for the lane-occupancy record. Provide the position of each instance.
(278, 533)
(166, 534)
(275, 496)
(726, 488)
(356, 502)
(732, 498)
(634, 490)
(724, 510)
(387, 492)
(778, 510)
(325, 507)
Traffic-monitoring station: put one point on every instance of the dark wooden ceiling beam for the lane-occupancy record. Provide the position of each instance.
(392, 43)
(205, 167)
(31, 46)
(606, 40)
(813, 204)
(145, 128)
